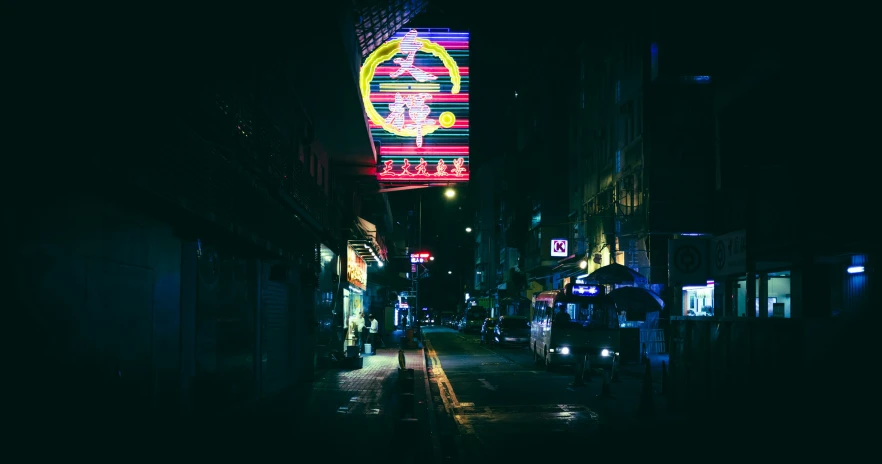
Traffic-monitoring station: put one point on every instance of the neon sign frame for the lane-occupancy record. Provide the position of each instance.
(421, 75)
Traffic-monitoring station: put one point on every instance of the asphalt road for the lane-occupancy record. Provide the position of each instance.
(507, 408)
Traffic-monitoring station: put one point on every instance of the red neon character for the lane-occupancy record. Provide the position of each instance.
(405, 169)
(419, 111)
(396, 112)
(422, 169)
(458, 168)
(387, 168)
(441, 169)
(410, 46)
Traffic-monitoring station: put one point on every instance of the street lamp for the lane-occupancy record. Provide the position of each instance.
(468, 229)
(450, 193)
(431, 258)
(583, 264)
(449, 272)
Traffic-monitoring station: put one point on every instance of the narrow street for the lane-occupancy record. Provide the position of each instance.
(506, 407)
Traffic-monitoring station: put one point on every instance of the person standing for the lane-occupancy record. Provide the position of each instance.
(374, 331)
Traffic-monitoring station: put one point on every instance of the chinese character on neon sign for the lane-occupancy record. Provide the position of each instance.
(410, 105)
(422, 169)
(419, 257)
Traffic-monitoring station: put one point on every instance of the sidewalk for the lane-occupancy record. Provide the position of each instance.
(353, 414)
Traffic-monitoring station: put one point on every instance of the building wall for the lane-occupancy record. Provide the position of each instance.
(101, 286)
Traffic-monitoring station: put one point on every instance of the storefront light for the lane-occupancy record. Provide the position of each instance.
(855, 269)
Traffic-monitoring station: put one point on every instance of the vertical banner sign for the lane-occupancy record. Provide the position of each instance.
(356, 269)
(415, 90)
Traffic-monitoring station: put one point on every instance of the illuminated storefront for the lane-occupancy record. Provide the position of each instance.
(353, 294)
(698, 300)
(415, 90)
(777, 295)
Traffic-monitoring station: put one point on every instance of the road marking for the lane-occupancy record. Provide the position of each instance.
(487, 385)
(448, 396)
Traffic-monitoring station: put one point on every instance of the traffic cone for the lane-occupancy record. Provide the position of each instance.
(579, 370)
(606, 389)
(647, 405)
(664, 389)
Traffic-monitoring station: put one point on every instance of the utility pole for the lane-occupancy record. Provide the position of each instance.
(419, 265)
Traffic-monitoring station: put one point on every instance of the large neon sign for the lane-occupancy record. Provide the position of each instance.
(415, 93)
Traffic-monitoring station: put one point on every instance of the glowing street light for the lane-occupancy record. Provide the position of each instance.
(583, 264)
(468, 229)
(450, 193)
(431, 258)
(449, 272)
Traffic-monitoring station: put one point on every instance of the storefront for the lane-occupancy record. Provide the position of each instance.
(353, 294)
(777, 296)
(698, 300)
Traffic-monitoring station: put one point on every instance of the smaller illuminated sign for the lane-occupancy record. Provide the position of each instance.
(558, 247)
(586, 290)
(356, 269)
(419, 257)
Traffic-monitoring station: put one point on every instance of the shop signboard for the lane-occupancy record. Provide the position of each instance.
(559, 248)
(687, 261)
(415, 91)
(356, 269)
(729, 254)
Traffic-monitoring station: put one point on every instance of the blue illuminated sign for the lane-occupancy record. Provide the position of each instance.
(586, 290)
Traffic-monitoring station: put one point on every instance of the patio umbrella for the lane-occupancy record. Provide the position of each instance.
(636, 301)
(615, 273)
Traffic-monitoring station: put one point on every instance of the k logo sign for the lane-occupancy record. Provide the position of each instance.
(559, 247)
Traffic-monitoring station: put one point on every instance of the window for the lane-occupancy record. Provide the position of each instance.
(618, 161)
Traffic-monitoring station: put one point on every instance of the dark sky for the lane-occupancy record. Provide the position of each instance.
(504, 39)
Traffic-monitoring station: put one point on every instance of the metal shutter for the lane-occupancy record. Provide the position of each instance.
(275, 340)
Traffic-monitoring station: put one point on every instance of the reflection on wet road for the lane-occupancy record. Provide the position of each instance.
(506, 406)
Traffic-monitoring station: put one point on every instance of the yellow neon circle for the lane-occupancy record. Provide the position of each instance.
(386, 52)
(446, 119)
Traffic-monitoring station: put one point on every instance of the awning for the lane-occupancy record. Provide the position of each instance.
(615, 273)
(568, 265)
(368, 246)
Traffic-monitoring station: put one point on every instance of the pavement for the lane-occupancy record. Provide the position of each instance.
(357, 413)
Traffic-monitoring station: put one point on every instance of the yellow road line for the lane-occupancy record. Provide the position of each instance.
(448, 396)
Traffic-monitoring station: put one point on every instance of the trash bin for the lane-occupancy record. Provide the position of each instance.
(368, 348)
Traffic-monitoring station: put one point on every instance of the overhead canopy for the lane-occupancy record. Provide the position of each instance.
(615, 273)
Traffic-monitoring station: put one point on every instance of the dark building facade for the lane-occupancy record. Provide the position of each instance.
(192, 260)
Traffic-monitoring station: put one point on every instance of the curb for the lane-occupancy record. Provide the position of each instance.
(433, 421)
